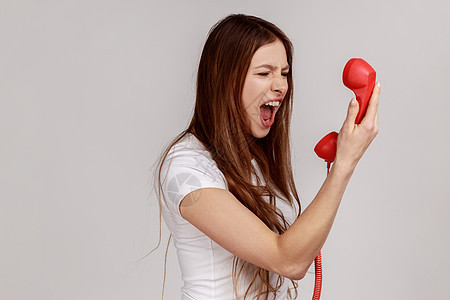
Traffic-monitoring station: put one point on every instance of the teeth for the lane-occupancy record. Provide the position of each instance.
(273, 103)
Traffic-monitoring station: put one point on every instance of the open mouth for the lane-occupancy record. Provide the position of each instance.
(267, 112)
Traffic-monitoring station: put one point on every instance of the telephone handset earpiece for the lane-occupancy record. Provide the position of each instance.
(360, 77)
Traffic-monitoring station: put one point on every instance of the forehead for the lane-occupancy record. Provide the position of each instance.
(273, 53)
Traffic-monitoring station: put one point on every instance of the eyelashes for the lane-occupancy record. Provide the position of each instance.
(263, 74)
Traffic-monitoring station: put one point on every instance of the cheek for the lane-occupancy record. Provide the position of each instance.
(252, 92)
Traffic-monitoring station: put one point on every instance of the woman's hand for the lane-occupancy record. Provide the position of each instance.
(354, 139)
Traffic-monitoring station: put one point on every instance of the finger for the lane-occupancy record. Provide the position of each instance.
(376, 123)
(352, 112)
(373, 105)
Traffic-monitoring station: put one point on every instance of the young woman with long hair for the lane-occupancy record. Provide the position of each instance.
(225, 184)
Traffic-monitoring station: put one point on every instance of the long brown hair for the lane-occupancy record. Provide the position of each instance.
(220, 123)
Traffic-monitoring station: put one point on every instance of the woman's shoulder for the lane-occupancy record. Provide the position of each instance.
(188, 143)
(190, 152)
(188, 166)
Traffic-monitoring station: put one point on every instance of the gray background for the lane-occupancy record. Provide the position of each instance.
(92, 91)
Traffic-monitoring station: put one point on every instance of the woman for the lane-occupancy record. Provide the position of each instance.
(226, 188)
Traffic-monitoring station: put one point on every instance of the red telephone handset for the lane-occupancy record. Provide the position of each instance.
(358, 76)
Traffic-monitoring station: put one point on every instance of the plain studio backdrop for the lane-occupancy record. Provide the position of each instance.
(92, 91)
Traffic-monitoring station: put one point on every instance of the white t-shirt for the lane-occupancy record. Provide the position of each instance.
(206, 267)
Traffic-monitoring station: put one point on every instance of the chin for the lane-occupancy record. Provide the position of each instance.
(260, 133)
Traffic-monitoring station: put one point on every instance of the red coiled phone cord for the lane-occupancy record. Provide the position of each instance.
(318, 265)
(318, 279)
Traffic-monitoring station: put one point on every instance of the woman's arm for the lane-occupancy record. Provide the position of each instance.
(309, 232)
(219, 215)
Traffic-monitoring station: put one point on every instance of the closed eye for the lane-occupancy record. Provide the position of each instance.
(267, 73)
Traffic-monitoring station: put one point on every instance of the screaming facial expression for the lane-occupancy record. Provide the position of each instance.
(265, 87)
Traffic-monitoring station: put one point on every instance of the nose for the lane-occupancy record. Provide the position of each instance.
(279, 84)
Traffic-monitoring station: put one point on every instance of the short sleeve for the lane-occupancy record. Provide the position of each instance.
(186, 170)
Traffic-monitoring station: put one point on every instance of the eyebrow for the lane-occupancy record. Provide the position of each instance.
(271, 67)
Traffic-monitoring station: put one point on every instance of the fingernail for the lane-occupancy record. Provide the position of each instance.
(378, 84)
(353, 102)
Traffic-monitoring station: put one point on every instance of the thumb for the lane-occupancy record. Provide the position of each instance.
(352, 112)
